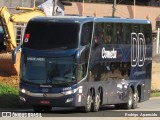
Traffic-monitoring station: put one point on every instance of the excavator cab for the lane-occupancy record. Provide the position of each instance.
(2, 45)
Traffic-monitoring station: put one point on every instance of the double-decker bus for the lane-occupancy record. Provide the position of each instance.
(85, 62)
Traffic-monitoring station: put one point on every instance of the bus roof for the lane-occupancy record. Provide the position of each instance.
(82, 19)
(122, 20)
(64, 19)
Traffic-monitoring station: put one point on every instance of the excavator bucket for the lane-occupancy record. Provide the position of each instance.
(7, 68)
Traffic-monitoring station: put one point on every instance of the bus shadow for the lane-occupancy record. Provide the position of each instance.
(74, 110)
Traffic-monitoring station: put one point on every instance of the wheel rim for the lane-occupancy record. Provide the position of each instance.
(89, 101)
(135, 97)
(130, 100)
(97, 101)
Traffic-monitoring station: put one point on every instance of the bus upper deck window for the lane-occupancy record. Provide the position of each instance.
(107, 39)
(86, 33)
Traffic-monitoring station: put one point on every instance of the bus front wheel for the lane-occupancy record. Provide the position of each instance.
(88, 104)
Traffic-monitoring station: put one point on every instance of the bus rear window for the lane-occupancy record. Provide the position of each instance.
(51, 35)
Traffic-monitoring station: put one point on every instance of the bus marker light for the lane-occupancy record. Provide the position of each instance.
(79, 98)
(44, 102)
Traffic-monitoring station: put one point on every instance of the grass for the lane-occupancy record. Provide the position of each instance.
(8, 96)
(8, 89)
(155, 94)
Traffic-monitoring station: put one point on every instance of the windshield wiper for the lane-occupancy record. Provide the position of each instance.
(66, 83)
(29, 82)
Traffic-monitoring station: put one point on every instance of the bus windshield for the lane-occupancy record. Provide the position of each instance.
(55, 71)
(51, 35)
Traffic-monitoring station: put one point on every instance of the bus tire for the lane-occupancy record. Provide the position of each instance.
(129, 103)
(135, 100)
(118, 106)
(88, 104)
(96, 102)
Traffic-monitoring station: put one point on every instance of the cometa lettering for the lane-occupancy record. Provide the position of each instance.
(109, 54)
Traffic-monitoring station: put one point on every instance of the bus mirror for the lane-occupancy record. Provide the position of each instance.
(82, 48)
(14, 54)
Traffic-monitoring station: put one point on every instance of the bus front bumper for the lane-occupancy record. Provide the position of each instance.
(46, 99)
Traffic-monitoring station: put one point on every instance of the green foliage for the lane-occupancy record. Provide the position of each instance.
(8, 96)
(155, 94)
(7, 89)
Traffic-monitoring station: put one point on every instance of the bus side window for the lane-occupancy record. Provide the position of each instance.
(82, 70)
(136, 28)
(118, 33)
(108, 33)
(145, 29)
(127, 33)
(98, 36)
(86, 34)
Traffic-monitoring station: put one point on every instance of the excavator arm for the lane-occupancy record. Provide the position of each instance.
(29, 13)
(7, 22)
(8, 27)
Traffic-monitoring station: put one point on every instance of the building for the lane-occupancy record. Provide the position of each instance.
(126, 2)
(12, 4)
(125, 11)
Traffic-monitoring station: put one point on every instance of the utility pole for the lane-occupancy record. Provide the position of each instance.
(83, 8)
(134, 9)
(114, 8)
(158, 38)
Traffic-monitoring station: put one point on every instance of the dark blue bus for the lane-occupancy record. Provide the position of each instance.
(85, 62)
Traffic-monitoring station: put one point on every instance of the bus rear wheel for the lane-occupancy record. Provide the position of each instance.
(135, 100)
(96, 103)
(130, 100)
(118, 106)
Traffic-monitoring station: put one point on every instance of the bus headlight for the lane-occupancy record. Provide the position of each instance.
(70, 92)
(23, 90)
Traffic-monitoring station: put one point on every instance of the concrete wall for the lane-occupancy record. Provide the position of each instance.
(124, 11)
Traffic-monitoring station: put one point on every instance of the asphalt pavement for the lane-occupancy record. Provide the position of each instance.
(150, 108)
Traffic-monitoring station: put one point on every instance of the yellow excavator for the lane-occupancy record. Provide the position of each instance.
(8, 37)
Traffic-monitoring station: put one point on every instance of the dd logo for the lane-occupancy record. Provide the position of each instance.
(138, 49)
